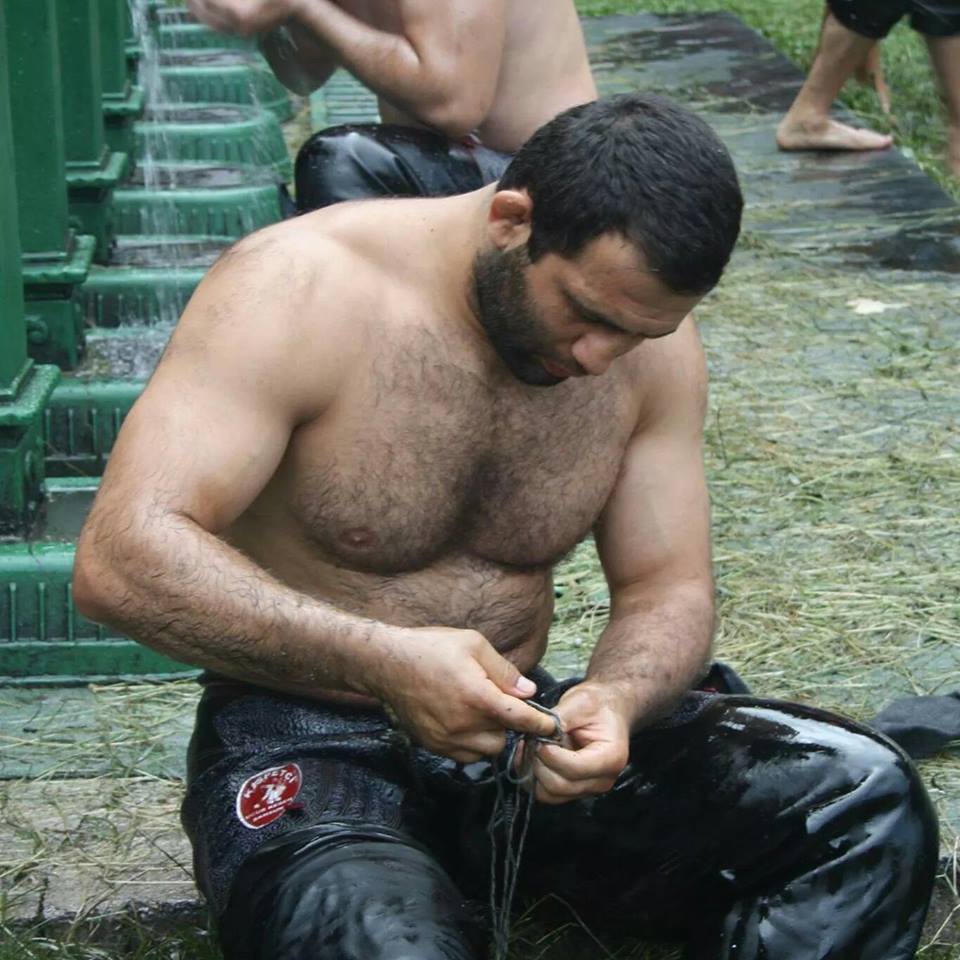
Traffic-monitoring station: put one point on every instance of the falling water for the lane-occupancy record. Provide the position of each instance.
(156, 171)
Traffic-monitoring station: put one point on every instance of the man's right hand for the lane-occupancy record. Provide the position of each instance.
(244, 17)
(454, 694)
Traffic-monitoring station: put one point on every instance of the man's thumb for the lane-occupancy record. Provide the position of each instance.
(506, 676)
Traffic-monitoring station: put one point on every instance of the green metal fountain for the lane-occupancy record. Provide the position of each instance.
(160, 145)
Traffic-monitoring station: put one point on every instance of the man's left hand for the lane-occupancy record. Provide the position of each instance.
(596, 725)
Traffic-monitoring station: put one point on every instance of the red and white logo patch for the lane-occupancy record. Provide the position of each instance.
(267, 795)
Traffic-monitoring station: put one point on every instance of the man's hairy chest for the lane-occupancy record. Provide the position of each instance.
(430, 462)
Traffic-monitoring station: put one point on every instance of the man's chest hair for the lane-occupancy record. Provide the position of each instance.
(429, 459)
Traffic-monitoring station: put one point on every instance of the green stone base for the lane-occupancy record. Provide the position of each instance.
(200, 200)
(90, 196)
(119, 115)
(225, 76)
(209, 133)
(55, 331)
(197, 36)
(81, 423)
(22, 450)
(113, 296)
(43, 639)
(84, 662)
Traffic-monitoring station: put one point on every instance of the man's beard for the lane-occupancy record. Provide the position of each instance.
(508, 317)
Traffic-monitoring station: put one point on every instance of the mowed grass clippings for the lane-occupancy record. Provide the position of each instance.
(834, 469)
(833, 458)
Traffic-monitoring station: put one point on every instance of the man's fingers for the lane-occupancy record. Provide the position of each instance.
(503, 673)
(480, 746)
(514, 714)
(564, 775)
(589, 789)
(488, 744)
(598, 759)
(552, 788)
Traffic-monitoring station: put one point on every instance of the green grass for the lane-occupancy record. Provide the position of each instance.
(792, 26)
(128, 940)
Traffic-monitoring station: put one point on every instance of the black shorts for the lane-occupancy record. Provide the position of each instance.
(360, 161)
(876, 18)
(318, 830)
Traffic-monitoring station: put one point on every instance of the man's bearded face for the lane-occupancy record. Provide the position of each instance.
(509, 317)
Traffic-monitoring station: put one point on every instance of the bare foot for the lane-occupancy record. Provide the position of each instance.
(827, 134)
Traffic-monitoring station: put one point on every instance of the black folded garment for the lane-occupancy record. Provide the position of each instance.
(923, 726)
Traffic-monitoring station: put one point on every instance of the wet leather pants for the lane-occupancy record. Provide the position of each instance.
(745, 828)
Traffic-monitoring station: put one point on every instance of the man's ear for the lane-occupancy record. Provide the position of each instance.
(508, 224)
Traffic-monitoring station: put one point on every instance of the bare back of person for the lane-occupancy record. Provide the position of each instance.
(543, 69)
(433, 490)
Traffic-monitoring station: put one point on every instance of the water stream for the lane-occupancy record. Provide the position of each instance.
(154, 170)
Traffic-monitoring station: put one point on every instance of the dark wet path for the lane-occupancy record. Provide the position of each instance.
(853, 209)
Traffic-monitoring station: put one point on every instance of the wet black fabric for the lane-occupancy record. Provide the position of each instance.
(365, 160)
(722, 678)
(748, 828)
(876, 18)
(923, 726)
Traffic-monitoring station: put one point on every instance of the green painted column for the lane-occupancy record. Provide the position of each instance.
(25, 387)
(122, 100)
(93, 170)
(13, 331)
(54, 259)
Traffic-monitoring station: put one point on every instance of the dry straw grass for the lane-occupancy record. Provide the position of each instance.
(832, 454)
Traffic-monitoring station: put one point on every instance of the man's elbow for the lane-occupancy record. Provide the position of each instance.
(92, 592)
(455, 117)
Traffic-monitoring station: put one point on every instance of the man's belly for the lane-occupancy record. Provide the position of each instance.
(512, 608)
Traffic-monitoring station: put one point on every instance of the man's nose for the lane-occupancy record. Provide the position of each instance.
(596, 350)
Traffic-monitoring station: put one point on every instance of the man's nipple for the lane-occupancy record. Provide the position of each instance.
(358, 538)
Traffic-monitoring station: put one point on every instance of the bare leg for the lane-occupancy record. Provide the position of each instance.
(945, 54)
(808, 124)
(870, 73)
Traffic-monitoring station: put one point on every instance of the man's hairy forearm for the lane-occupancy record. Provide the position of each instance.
(387, 63)
(188, 594)
(656, 645)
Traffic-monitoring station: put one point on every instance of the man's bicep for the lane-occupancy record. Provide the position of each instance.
(656, 524)
(215, 419)
(195, 448)
(462, 40)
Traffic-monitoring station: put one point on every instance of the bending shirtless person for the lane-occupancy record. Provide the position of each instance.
(460, 85)
(850, 30)
(376, 430)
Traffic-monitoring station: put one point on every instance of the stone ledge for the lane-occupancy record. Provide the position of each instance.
(91, 848)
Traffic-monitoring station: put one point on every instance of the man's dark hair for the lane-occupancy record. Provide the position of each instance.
(640, 166)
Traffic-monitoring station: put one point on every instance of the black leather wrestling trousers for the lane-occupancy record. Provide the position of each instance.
(745, 828)
(363, 160)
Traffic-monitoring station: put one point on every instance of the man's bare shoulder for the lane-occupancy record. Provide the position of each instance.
(290, 263)
(670, 374)
(284, 304)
